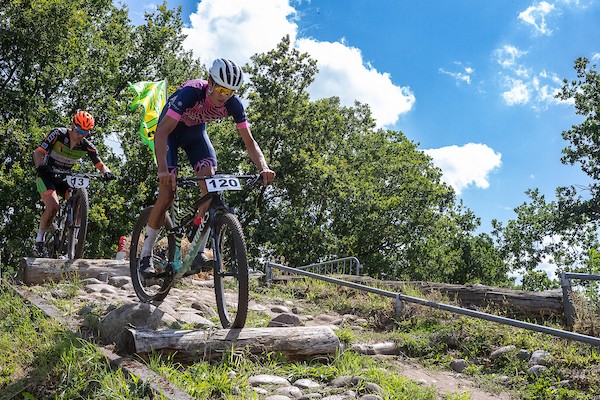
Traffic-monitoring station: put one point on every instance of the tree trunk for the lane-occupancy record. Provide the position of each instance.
(188, 346)
(35, 271)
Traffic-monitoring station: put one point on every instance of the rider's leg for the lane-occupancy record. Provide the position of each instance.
(156, 218)
(204, 171)
(201, 259)
(50, 200)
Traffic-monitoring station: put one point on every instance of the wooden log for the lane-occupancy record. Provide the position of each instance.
(519, 303)
(188, 346)
(35, 271)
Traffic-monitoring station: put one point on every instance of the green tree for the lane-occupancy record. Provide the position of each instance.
(347, 188)
(564, 231)
(60, 56)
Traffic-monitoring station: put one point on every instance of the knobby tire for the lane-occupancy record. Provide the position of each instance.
(151, 288)
(231, 269)
(76, 233)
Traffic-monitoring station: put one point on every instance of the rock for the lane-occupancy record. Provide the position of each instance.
(119, 281)
(370, 397)
(459, 365)
(264, 379)
(537, 370)
(306, 383)
(285, 320)
(346, 380)
(523, 355)
(140, 315)
(539, 357)
(280, 309)
(290, 391)
(502, 351)
(371, 387)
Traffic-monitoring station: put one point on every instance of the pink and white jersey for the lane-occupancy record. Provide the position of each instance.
(191, 105)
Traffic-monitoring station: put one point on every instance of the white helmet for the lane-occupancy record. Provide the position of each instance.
(226, 73)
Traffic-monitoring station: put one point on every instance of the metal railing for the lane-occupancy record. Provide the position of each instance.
(565, 283)
(400, 298)
(340, 266)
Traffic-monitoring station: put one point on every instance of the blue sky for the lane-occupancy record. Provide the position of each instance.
(472, 82)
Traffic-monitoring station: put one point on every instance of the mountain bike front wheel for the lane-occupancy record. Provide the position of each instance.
(231, 272)
(77, 225)
(157, 286)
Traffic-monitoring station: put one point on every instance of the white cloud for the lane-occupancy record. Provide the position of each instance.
(518, 92)
(464, 75)
(238, 29)
(508, 55)
(467, 165)
(522, 85)
(536, 16)
(343, 73)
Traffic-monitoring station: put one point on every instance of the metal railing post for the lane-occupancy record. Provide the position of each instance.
(399, 306)
(268, 273)
(565, 283)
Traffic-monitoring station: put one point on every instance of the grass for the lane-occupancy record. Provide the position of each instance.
(41, 360)
(53, 363)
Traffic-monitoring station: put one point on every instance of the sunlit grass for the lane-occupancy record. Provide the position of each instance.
(40, 359)
(53, 363)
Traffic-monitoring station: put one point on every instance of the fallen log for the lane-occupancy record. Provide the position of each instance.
(517, 303)
(36, 271)
(188, 346)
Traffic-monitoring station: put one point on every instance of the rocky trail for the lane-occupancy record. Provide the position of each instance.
(109, 305)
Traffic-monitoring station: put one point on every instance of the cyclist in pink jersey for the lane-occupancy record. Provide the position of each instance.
(182, 124)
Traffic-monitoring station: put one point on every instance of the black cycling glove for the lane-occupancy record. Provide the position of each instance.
(43, 170)
(109, 176)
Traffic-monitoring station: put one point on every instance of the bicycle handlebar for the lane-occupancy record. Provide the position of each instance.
(64, 172)
(189, 181)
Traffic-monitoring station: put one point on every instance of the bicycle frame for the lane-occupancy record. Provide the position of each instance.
(220, 226)
(182, 220)
(69, 237)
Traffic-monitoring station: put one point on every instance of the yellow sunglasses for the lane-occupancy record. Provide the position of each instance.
(224, 91)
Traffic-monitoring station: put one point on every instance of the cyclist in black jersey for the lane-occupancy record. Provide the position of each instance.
(62, 148)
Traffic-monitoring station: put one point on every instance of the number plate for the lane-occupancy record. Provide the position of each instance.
(77, 181)
(222, 184)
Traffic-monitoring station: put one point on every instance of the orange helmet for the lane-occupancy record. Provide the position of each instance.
(84, 120)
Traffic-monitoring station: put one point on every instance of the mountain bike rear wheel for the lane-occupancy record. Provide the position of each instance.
(77, 225)
(157, 286)
(231, 272)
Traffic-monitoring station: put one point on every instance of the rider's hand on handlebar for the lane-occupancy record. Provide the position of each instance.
(109, 176)
(43, 169)
(268, 176)
(168, 179)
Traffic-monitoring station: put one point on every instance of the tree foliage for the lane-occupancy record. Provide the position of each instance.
(63, 55)
(563, 232)
(344, 187)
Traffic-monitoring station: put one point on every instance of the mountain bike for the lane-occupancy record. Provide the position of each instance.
(220, 233)
(69, 229)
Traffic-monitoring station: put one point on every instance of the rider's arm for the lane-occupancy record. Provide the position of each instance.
(38, 157)
(255, 153)
(45, 146)
(102, 168)
(163, 130)
(93, 156)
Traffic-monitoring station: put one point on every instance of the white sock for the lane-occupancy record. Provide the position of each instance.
(40, 235)
(151, 235)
